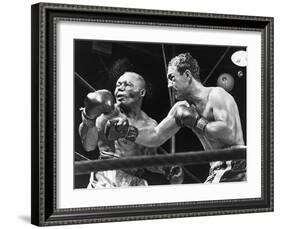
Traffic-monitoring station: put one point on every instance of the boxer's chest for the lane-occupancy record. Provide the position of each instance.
(128, 148)
(206, 111)
(136, 123)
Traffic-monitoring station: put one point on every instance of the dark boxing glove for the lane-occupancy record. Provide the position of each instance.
(120, 128)
(98, 102)
(175, 175)
(188, 117)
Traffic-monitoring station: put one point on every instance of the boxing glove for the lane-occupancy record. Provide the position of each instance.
(120, 128)
(189, 117)
(175, 175)
(97, 103)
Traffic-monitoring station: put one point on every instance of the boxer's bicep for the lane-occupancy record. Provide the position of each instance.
(221, 115)
(103, 143)
(224, 110)
(89, 137)
(220, 129)
(222, 126)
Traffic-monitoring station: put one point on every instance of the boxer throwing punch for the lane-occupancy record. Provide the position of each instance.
(113, 128)
(210, 112)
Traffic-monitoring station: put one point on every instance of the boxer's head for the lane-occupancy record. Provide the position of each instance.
(130, 89)
(182, 70)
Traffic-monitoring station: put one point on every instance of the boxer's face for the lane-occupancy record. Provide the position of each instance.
(178, 82)
(129, 89)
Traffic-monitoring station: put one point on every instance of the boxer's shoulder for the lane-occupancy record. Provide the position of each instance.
(218, 96)
(218, 93)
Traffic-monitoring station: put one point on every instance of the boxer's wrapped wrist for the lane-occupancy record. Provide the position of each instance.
(119, 128)
(201, 124)
(89, 122)
(132, 134)
(179, 121)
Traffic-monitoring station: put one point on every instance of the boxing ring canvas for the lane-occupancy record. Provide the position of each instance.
(77, 50)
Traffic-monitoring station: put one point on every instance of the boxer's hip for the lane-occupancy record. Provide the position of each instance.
(116, 178)
(227, 171)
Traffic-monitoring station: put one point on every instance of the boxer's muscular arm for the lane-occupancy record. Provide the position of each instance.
(154, 136)
(89, 137)
(224, 112)
(96, 104)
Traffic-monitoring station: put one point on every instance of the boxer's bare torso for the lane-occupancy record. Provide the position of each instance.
(223, 129)
(123, 147)
(220, 110)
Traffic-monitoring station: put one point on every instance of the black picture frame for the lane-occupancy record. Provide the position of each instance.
(44, 211)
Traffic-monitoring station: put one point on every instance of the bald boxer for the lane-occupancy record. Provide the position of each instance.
(113, 128)
(210, 112)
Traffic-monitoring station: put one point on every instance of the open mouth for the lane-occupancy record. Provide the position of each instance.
(120, 97)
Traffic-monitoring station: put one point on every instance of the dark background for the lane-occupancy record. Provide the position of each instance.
(100, 63)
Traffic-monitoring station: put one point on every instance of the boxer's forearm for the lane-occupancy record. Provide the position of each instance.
(149, 137)
(89, 137)
(156, 136)
(219, 130)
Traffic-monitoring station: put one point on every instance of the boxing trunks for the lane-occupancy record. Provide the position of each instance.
(115, 178)
(227, 171)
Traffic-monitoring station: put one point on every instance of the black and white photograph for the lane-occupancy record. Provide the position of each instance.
(140, 114)
(143, 114)
(148, 113)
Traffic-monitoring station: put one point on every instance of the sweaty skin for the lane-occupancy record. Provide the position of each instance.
(223, 128)
(213, 103)
(123, 147)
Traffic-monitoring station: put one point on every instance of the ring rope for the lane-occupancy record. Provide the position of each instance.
(184, 158)
(216, 65)
(80, 157)
(89, 86)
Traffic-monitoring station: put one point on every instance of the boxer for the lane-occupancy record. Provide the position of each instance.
(210, 112)
(113, 128)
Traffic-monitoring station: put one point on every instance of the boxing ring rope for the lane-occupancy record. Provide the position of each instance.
(179, 159)
(80, 157)
(87, 85)
(216, 65)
